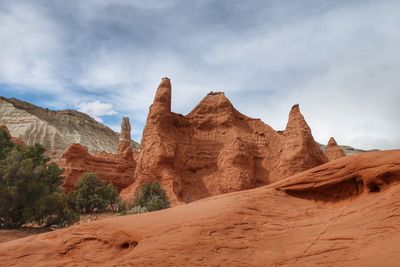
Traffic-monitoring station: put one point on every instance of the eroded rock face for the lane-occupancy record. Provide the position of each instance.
(333, 151)
(215, 149)
(118, 168)
(56, 130)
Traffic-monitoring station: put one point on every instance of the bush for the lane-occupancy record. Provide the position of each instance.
(5, 144)
(30, 189)
(93, 194)
(151, 198)
(136, 210)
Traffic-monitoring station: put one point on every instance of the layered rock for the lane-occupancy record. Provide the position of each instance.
(343, 213)
(15, 140)
(333, 151)
(215, 149)
(117, 169)
(56, 130)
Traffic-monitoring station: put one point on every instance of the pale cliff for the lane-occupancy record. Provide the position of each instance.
(56, 130)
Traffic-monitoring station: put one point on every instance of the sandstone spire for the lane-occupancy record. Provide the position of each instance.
(333, 151)
(157, 147)
(125, 143)
(296, 121)
(125, 129)
(300, 152)
(163, 94)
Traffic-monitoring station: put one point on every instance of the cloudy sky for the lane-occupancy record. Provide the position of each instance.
(340, 59)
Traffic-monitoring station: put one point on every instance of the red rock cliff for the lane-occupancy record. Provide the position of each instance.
(118, 168)
(215, 149)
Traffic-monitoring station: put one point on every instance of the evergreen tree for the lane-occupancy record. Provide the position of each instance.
(30, 187)
(93, 194)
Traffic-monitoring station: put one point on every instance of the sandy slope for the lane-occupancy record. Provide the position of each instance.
(343, 213)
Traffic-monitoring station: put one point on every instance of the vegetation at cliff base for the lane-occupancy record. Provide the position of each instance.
(152, 197)
(30, 189)
(94, 195)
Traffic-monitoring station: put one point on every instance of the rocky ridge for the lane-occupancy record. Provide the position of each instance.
(56, 130)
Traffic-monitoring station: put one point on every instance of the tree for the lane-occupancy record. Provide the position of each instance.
(30, 187)
(152, 197)
(5, 144)
(93, 194)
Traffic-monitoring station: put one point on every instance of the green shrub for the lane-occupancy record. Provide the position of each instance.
(93, 194)
(30, 189)
(5, 144)
(151, 198)
(137, 210)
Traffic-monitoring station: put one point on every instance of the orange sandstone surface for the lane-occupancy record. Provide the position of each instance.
(118, 168)
(215, 149)
(333, 151)
(342, 213)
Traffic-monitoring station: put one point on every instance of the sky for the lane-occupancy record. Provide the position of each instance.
(340, 59)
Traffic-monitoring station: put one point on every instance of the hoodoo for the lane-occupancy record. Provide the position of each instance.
(125, 144)
(300, 152)
(118, 168)
(333, 151)
(215, 149)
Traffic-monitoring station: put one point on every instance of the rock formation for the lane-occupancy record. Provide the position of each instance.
(118, 168)
(333, 151)
(56, 130)
(13, 139)
(215, 149)
(125, 142)
(347, 150)
(343, 213)
(299, 151)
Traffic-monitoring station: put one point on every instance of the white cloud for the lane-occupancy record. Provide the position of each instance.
(97, 109)
(29, 48)
(339, 60)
